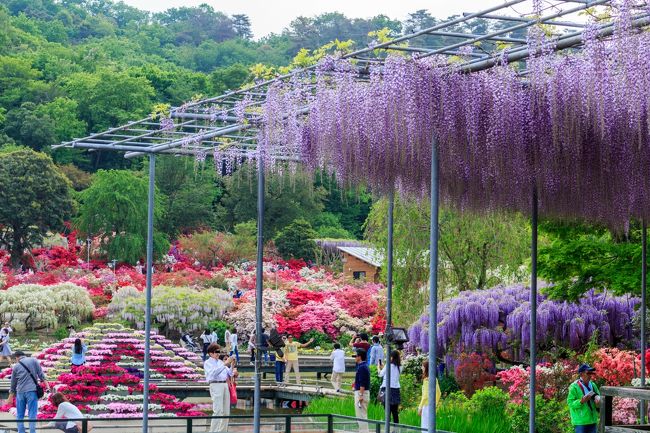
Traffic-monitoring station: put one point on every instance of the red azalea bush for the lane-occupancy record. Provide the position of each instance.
(473, 372)
(298, 297)
(358, 301)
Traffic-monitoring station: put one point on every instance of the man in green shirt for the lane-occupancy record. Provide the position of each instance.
(584, 401)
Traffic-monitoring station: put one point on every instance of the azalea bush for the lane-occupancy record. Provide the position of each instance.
(37, 306)
(174, 308)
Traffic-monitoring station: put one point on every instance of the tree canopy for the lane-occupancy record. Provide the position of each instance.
(35, 198)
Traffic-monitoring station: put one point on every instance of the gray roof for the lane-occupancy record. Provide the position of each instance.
(368, 255)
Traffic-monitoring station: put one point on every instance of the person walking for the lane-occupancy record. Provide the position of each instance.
(291, 356)
(66, 410)
(394, 388)
(361, 389)
(206, 338)
(217, 373)
(78, 353)
(5, 348)
(25, 375)
(584, 401)
(338, 366)
(376, 354)
(423, 407)
(226, 340)
(234, 343)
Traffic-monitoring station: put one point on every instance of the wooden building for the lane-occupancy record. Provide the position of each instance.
(361, 263)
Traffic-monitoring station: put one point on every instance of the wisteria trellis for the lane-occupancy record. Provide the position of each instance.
(576, 127)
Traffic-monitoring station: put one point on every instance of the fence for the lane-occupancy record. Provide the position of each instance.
(287, 423)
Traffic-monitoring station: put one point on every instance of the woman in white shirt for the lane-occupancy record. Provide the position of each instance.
(338, 366)
(395, 396)
(217, 373)
(66, 410)
(206, 338)
(234, 343)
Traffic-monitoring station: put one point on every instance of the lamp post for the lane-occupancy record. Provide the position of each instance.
(88, 241)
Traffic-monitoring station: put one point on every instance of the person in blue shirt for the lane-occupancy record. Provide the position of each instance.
(78, 353)
(376, 354)
(361, 389)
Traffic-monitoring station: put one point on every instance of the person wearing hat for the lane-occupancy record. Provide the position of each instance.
(584, 401)
(24, 376)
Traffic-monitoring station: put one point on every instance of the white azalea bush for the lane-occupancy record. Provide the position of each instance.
(37, 306)
(173, 308)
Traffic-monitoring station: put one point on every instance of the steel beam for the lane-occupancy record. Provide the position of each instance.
(433, 286)
(533, 310)
(389, 308)
(147, 312)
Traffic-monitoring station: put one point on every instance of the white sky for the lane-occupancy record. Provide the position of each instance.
(269, 16)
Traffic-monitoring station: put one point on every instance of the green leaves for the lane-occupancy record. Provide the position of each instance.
(114, 208)
(35, 198)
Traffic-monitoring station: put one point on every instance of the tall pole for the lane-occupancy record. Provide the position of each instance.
(644, 343)
(433, 287)
(147, 312)
(259, 275)
(533, 311)
(389, 308)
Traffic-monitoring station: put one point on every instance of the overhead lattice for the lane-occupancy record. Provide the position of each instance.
(473, 41)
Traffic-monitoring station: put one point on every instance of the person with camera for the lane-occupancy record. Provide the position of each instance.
(217, 373)
(584, 401)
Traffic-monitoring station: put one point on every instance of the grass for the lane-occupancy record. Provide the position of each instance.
(451, 417)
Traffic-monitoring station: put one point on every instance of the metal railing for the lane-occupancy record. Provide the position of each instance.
(287, 423)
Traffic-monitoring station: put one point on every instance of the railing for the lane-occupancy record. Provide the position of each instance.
(606, 408)
(287, 423)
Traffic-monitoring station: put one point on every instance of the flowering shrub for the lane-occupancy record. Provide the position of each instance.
(45, 306)
(473, 372)
(616, 367)
(552, 382)
(174, 308)
(497, 320)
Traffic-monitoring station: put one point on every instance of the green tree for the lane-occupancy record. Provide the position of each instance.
(29, 127)
(190, 190)
(297, 241)
(288, 196)
(35, 198)
(476, 251)
(114, 208)
(578, 257)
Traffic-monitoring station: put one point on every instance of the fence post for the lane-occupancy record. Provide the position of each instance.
(188, 429)
(378, 428)
(330, 423)
(84, 426)
(287, 424)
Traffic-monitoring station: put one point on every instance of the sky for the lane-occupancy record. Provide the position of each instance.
(272, 16)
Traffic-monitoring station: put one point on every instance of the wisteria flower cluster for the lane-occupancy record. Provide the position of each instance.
(577, 131)
(498, 320)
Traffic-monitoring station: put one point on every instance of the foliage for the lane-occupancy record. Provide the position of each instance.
(448, 385)
(472, 372)
(320, 340)
(80, 179)
(211, 248)
(413, 365)
(174, 308)
(289, 196)
(410, 390)
(114, 209)
(551, 416)
(37, 306)
(35, 198)
(220, 327)
(473, 248)
(577, 258)
(616, 367)
(297, 241)
(190, 191)
(552, 380)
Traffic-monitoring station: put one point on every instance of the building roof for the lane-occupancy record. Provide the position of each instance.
(368, 255)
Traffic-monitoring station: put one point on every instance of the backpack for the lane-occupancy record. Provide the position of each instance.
(276, 339)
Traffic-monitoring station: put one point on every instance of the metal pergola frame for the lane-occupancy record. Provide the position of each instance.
(230, 122)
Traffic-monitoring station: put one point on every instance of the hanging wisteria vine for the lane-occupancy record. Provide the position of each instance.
(576, 128)
(497, 321)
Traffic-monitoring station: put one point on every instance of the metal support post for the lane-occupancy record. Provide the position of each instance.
(533, 311)
(259, 275)
(147, 312)
(389, 308)
(644, 343)
(433, 286)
